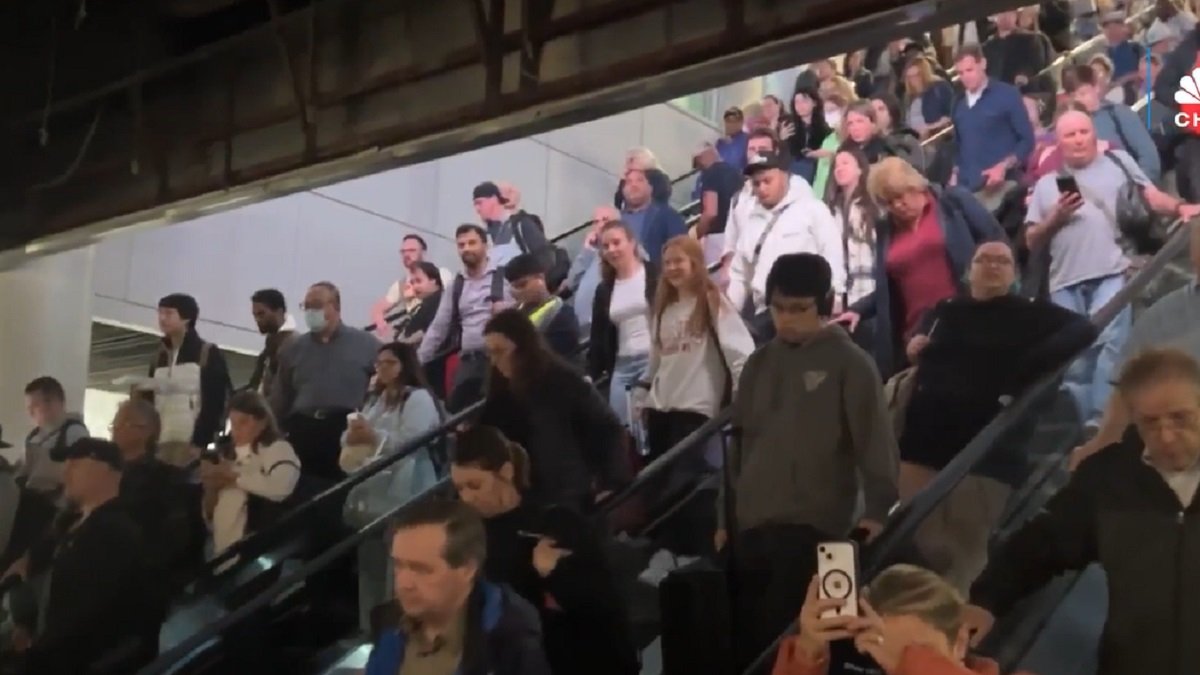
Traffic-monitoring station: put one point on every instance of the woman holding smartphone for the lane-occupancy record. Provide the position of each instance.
(551, 557)
(912, 625)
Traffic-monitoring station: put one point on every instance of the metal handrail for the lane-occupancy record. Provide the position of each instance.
(903, 523)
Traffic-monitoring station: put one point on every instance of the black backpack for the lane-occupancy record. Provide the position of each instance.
(60, 441)
(555, 259)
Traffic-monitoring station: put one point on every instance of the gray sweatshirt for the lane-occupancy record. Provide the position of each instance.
(811, 429)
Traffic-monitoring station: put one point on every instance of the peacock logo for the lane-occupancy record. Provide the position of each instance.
(1188, 98)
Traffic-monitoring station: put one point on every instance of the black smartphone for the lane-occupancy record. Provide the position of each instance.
(1067, 184)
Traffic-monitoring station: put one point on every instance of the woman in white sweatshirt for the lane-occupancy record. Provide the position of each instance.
(246, 487)
(698, 346)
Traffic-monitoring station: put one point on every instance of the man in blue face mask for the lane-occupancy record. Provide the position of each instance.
(323, 377)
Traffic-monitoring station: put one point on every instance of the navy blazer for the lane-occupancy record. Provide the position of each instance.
(965, 224)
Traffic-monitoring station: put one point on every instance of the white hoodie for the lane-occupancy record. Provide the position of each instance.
(805, 225)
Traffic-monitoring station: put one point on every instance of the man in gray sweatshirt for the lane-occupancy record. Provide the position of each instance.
(811, 433)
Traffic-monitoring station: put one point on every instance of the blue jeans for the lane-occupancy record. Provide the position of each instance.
(627, 371)
(1089, 379)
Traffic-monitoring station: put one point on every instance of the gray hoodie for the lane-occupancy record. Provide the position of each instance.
(811, 429)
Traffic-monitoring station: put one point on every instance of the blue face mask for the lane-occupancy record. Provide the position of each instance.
(315, 320)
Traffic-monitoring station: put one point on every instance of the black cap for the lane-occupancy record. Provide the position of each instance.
(2, 443)
(766, 160)
(90, 448)
(487, 189)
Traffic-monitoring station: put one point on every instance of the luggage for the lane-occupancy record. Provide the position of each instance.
(697, 623)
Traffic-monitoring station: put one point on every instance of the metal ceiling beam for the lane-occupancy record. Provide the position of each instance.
(392, 83)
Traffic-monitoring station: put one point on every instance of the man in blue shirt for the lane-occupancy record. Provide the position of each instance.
(1125, 54)
(992, 128)
(732, 145)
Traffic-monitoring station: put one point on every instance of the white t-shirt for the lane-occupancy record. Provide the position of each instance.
(630, 312)
(686, 373)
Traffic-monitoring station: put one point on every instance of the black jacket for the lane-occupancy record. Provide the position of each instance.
(167, 510)
(585, 622)
(575, 442)
(602, 349)
(981, 351)
(101, 593)
(1117, 511)
(561, 331)
(215, 385)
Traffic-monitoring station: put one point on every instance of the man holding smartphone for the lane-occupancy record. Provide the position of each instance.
(1073, 216)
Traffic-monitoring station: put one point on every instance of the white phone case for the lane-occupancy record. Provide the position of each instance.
(837, 576)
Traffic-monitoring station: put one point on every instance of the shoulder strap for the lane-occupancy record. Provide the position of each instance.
(516, 229)
(762, 238)
(205, 348)
(498, 284)
(61, 442)
(1120, 134)
(727, 389)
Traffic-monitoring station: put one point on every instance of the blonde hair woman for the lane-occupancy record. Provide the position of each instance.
(927, 98)
(910, 623)
(923, 247)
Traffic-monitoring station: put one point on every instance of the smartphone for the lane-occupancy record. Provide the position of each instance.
(1067, 184)
(837, 576)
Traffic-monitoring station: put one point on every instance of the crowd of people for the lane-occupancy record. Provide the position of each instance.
(878, 266)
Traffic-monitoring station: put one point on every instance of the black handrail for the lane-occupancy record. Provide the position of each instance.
(167, 661)
(375, 467)
(900, 527)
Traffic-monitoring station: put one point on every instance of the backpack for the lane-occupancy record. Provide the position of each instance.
(60, 442)
(555, 260)
(453, 341)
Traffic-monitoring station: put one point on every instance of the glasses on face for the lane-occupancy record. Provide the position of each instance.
(118, 426)
(1174, 421)
(998, 261)
(315, 306)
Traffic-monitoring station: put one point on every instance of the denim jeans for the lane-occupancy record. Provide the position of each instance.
(627, 371)
(1089, 379)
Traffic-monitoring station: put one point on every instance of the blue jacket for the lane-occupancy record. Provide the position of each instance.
(965, 224)
(662, 223)
(504, 637)
(936, 102)
(996, 127)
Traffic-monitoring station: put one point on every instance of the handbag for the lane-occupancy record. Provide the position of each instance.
(1137, 222)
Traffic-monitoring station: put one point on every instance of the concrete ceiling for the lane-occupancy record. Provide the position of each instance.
(154, 116)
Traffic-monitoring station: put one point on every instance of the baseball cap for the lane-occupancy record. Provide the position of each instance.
(1117, 16)
(487, 189)
(98, 449)
(702, 147)
(766, 160)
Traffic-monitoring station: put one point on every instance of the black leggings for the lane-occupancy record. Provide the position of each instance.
(689, 530)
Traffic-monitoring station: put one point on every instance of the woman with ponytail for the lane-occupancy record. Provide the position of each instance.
(550, 556)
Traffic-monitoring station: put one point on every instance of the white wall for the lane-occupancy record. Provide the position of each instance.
(350, 233)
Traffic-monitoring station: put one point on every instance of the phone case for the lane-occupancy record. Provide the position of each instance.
(837, 576)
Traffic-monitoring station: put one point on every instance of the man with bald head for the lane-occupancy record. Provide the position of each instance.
(1088, 264)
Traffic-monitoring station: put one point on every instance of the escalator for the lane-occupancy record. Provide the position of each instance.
(227, 615)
